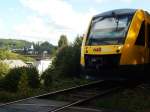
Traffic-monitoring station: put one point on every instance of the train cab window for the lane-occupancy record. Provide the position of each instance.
(141, 36)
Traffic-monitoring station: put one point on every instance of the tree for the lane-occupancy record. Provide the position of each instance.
(45, 46)
(11, 80)
(78, 41)
(36, 48)
(33, 77)
(62, 41)
(67, 61)
(47, 78)
(14, 44)
(76, 55)
(4, 69)
(23, 85)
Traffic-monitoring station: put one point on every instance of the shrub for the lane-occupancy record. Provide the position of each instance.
(33, 77)
(67, 61)
(4, 69)
(23, 85)
(66, 64)
(47, 78)
(63, 62)
(12, 79)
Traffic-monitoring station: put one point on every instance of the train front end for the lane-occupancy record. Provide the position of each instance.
(102, 46)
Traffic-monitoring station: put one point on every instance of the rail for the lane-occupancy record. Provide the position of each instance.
(63, 99)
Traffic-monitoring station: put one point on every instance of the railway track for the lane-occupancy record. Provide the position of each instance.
(63, 99)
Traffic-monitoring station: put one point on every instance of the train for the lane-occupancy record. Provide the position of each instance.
(117, 40)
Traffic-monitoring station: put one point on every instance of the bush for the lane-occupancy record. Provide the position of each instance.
(33, 77)
(11, 81)
(67, 62)
(7, 97)
(23, 85)
(47, 78)
(4, 69)
(64, 62)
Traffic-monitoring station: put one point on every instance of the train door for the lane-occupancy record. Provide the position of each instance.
(140, 44)
(148, 43)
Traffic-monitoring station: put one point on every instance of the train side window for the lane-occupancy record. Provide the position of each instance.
(141, 36)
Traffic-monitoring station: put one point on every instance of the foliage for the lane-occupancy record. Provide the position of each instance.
(63, 62)
(4, 69)
(23, 85)
(11, 80)
(78, 41)
(62, 83)
(6, 96)
(33, 77)
(53, 51)
(45, 46)
(133, 99)
(25, 58)
(5, 54)
(62, 41)
(14, 44)
(61, 74)
(67, 61)
(47, 78)
(9, 44)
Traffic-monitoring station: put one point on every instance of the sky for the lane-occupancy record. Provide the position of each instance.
(46, 20)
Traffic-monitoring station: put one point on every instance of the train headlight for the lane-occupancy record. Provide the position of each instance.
(119, 48)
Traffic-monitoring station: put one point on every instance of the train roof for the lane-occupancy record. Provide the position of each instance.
(117, 12)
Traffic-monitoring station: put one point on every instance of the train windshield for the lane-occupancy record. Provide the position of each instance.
(110, 30)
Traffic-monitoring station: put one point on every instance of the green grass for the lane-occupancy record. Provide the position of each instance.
(67, 82)
(133, 100)
(9, 96)
(5, 54)
(57, 85)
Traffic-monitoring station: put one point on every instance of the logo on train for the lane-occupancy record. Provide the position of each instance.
(97, 49)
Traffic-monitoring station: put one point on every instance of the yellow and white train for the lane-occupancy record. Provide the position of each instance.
(117, 40)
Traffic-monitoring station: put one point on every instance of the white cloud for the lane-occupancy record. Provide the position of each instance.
(35, 29)
(111, 1)
(127, 1)
(63, 19)
(99, 1)
(31, 26)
